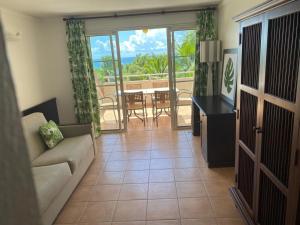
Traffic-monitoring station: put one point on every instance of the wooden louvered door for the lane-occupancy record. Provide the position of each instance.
(280, 118)
(268, 101)
(248, 93)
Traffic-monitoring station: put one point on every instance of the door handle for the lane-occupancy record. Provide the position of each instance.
(258, 130)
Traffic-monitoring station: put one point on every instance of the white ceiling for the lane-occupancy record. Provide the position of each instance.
(46, 8)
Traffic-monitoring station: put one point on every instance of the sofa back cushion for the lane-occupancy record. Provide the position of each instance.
(31, 124)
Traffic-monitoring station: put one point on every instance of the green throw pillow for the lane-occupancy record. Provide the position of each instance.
(51, 134)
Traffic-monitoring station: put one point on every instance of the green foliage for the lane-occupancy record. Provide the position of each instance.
(146, 64)
(143, 65)
(185, 53)
(229, 72)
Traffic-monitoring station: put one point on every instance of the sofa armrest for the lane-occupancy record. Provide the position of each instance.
(73, 130)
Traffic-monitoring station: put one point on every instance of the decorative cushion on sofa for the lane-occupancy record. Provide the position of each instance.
(51, 134)
(70, 150)
(49, 181)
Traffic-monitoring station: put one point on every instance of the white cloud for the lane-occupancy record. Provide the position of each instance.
(140, 42)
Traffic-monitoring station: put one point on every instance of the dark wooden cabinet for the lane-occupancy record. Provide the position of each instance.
(268, 104)
(214, 120)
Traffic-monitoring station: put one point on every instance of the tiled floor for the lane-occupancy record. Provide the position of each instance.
(154, 177)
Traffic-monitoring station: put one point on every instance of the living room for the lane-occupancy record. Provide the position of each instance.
(191, 142)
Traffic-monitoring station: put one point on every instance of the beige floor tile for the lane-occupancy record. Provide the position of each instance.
(130, 223)
(130, 210)
(139, 155)
(116, 156)
(138, 146)
(190, 189)
(97, 223)
(111, 178)
(203, 221)
(185, 163)
(230, 221)
(81, 194)
(187, 174)
(217, 188)
(115, 166)
(96, 168)
(105, 192)
(162, 154)
(161, 164)
(162, 190)
(194, 208)
(183, 153)
(98, 212)
(133, 191)
(136, 177)
(166, 175)
(224, 207)
(162, 209)
(217, 174)
(163, 222)
(89, 179)
(71, 213)
(138, 165)
(101, 157)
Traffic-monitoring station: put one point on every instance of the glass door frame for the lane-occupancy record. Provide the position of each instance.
(119, 65)
(172, 73)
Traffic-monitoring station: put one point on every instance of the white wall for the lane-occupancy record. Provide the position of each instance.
(24, 57)
(228, 29)
(39, 62)
(57, 77)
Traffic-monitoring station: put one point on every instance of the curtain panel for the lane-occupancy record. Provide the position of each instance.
(206, 31)
(85, 92)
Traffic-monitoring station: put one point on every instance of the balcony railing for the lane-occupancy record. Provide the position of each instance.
(106, 79)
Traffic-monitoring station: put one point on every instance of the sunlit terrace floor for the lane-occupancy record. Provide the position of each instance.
(108, 121)
(151, 177)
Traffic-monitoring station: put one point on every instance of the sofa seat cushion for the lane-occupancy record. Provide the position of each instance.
(70, 150)
(49, 181)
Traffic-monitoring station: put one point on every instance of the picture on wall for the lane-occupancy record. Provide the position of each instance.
(229, 74)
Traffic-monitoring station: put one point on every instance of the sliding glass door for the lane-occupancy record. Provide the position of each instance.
(150, 60)
(106, 64)
(182, 66)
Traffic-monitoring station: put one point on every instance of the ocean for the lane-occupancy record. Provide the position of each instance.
(124, 61)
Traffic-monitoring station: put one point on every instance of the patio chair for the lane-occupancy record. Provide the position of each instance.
(160, 103)
(135, 101)
(106, 103)
(184, 98)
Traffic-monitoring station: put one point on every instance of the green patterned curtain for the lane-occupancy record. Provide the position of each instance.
(85, 93)
(206, 31)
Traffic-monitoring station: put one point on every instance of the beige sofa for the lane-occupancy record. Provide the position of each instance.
(57, 171)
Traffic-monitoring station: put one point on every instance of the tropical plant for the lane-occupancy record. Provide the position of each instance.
(229, 72)
(185, 52)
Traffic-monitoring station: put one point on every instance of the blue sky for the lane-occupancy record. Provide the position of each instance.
(134, 42)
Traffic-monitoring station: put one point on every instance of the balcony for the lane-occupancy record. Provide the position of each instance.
(145, 81)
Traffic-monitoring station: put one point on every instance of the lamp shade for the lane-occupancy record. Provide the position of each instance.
(210, 51)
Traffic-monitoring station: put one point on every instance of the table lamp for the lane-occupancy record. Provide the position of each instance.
(210, 53)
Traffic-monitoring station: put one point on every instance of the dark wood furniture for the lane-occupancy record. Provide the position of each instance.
(268, 115)
(214, 119)
(48, 108)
